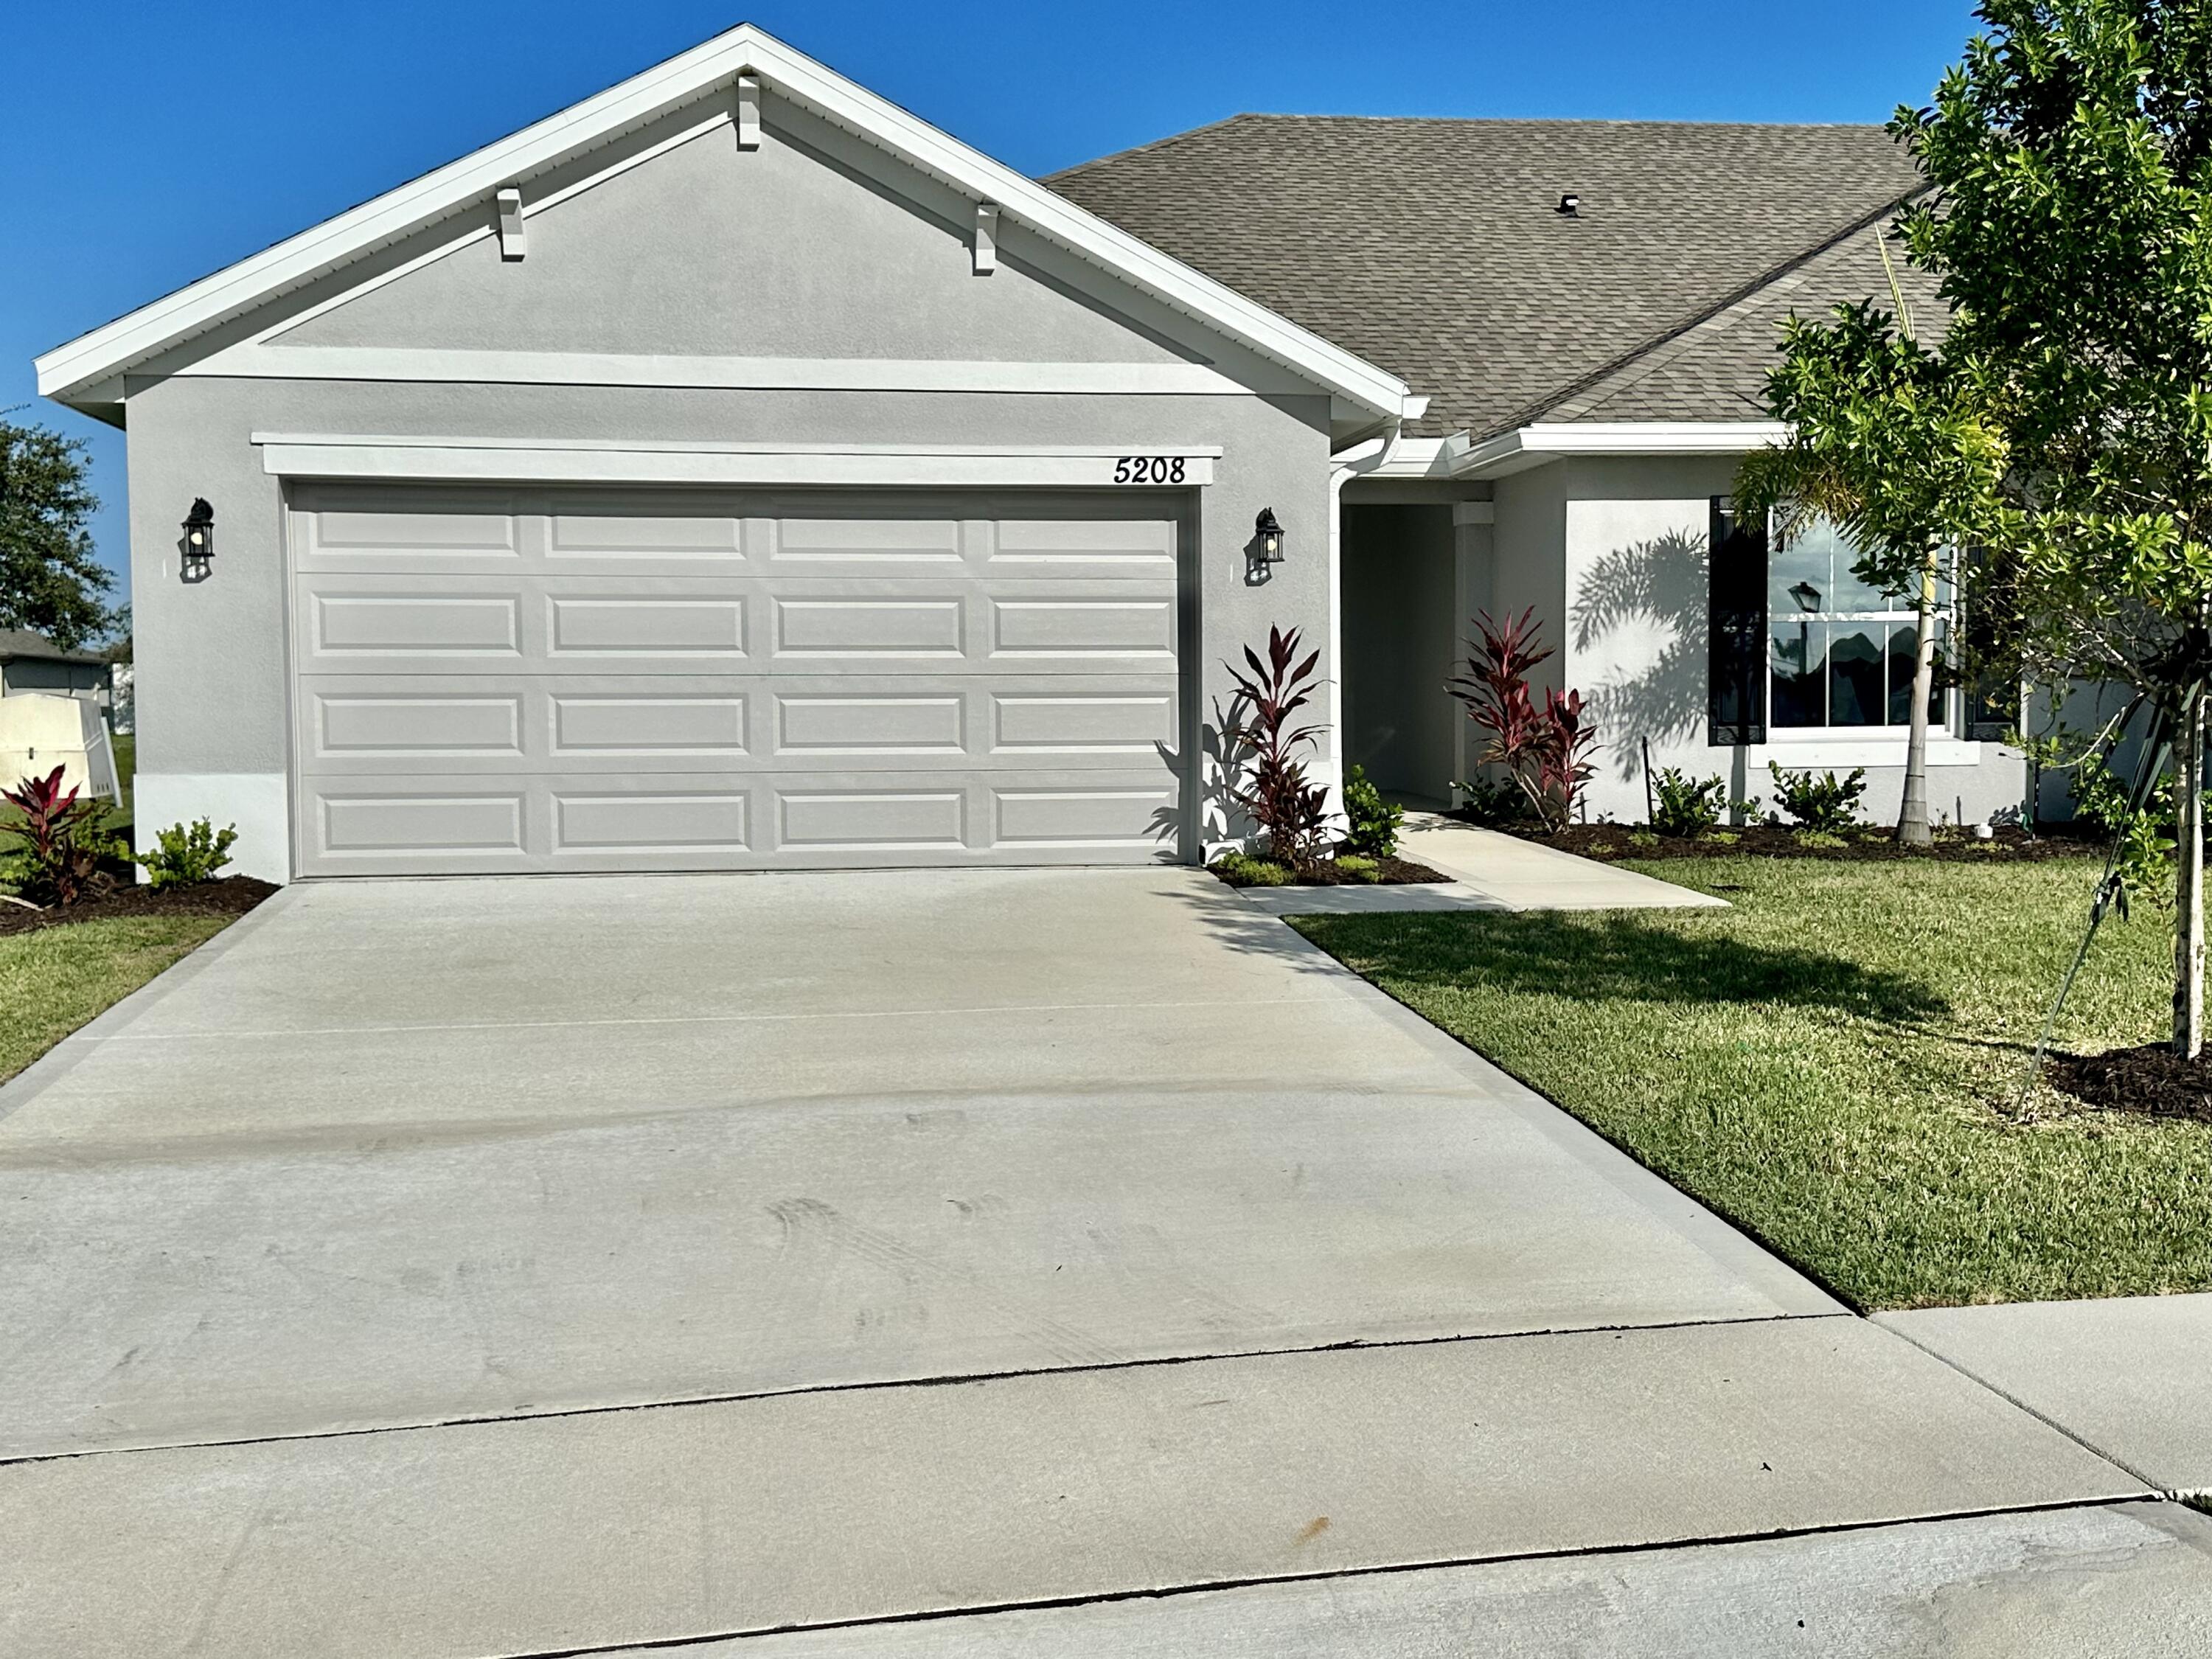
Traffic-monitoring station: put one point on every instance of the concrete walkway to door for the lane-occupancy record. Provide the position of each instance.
(533, 1266)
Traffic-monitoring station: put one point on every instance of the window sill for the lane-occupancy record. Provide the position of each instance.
(1830, 749)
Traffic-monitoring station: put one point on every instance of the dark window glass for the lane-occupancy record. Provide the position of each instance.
(1800, 678)
(1798, 575)
(1903, 653)
(1855, 677)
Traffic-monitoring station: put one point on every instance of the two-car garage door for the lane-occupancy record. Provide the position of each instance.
(490, 681)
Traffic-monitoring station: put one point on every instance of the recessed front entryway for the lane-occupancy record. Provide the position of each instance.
(541, 680)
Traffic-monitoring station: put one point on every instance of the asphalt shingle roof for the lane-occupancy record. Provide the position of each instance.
(1716, 369)
(1435, 248)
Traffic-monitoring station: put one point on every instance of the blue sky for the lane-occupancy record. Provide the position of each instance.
(144, 145)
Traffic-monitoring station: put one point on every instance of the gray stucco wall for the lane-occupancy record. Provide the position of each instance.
(801, 248)
(1636, 537)
(791, 249)
(1527, 565)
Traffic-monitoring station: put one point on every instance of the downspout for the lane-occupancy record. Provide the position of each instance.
(1344, 465)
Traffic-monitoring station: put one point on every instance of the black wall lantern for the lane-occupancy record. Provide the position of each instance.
(1268, 533)
(199, 541)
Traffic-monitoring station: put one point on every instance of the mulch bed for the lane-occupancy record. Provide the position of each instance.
(1388, 872)
(231, 896)
(2151, 1081)
(1862, 845)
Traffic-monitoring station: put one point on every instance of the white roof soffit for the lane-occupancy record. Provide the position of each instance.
(1533, 445)
(92, 363)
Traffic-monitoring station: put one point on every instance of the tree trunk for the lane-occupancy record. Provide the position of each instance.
(1912, 813)
(2189, 883)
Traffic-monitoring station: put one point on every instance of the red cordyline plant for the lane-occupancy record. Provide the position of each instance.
(1266, 777)
(60, 860)
(1546, 751)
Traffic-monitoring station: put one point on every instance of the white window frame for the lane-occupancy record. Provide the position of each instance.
(1943, 729)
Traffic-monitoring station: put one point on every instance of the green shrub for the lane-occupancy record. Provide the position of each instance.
(1359, 868)
(1818, 838)
(1642, 838)
(1374, 821)
(1822, 803)
(1243, 870)
(184, 857)
(59, 845)
(1688, 806)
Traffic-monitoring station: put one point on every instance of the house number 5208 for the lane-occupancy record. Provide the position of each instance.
(1149, 469)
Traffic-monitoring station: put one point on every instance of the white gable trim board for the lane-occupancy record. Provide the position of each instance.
(253, 360)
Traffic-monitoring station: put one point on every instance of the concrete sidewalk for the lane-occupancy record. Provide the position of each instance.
(2129, 1376)
(1523, 876)
(1488, 871)
(542, 1535)
(2130, 1581)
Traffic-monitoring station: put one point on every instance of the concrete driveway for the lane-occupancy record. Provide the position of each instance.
(979, 1239)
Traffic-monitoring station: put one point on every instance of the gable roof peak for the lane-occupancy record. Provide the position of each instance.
(86, 372)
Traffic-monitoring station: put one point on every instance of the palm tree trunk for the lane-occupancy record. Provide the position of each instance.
(1912, 813)
(2189, 883)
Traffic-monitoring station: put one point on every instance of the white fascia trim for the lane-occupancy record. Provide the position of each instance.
(1533, 445)
(108, 350)
(492, 461)
(256, 362)
(1415, 457)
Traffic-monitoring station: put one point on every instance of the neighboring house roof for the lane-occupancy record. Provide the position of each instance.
(86, 372)
(1436, 249)
(20, 642)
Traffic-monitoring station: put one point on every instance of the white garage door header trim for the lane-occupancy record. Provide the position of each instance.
(493, 460)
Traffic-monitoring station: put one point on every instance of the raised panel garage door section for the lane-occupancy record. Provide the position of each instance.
(534, 680)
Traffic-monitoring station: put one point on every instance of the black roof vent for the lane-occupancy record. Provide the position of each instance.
(1571, 205)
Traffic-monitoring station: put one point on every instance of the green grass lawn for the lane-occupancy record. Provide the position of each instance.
(53, 980)
(126, 769)
(1832, 1063)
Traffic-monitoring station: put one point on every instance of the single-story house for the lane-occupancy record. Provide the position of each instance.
(733, 471)
(32, 662)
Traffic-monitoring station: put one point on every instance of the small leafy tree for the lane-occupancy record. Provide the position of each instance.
(50, 582)
(1893, 444)
(1546, 751)
(1268, 778)
(2070, 223)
